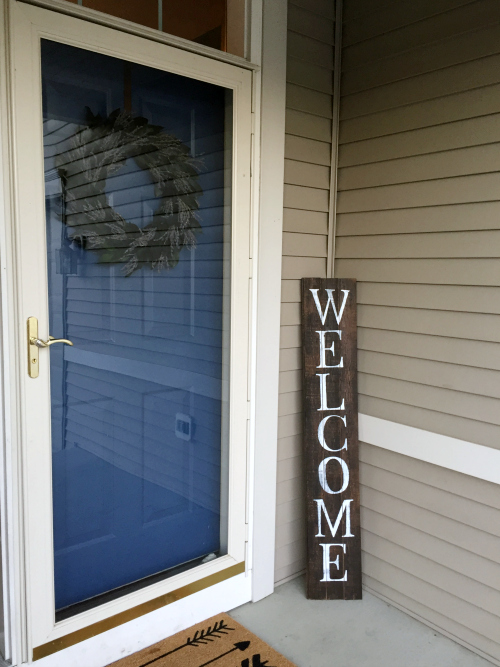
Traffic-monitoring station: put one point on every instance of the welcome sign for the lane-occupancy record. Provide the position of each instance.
(329, 345)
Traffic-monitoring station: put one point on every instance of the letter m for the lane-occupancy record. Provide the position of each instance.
(346, 507)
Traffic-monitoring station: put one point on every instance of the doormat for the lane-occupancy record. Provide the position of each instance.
(219, 642)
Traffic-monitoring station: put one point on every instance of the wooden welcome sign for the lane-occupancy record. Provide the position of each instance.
(329, 345)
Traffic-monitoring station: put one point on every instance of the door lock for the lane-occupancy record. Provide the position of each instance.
(35, 343)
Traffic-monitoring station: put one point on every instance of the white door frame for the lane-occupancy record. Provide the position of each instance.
(267, 160)
(31, 25)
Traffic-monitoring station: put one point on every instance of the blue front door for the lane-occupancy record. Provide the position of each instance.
(138, 233)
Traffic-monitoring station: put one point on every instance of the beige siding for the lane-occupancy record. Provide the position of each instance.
(419, 210)
(430, 544)
(419, 227)
(305, 236)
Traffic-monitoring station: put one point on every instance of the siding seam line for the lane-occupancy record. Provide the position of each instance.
(413, 23)
(422, 73)
(314, 39)
(435, 562)
(311, 11)
(429, 624)
(438, 588)
(441, 151)
(425, 100)
(422, 47)
(428, 534)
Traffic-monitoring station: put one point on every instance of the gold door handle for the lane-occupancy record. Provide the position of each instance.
(48, 343)
(34, 345)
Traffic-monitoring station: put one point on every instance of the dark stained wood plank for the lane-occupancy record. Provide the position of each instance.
(329, 348)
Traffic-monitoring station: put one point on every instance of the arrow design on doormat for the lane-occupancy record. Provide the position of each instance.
(200, 637)
(256, 662)
(239, 646)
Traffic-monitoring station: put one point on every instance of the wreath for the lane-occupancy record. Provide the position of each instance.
(99, 150)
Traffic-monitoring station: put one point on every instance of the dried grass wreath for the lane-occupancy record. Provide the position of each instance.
(99, 150)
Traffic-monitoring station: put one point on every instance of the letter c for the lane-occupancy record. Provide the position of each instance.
(321, 433)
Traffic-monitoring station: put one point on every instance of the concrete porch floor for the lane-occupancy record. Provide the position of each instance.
(367, 633)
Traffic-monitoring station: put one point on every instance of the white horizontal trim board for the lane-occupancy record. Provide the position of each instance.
(441, 450)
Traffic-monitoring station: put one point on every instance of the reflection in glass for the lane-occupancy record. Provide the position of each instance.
(137, 166)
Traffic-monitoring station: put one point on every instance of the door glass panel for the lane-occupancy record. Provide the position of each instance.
(138, 211)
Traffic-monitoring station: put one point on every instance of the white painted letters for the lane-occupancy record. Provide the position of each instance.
(323, 349)
(346, 507)
(327, 563)
(323, 395)
(322, 475)
(321, 433)
(322, 316)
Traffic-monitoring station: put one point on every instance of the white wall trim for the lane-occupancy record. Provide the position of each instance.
(441, 450)
(267, 283)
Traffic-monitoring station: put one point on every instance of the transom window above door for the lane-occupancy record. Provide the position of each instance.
(219, 24)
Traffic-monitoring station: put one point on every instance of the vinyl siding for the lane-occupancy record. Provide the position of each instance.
(305, 237)
(430, 545)
(419, 227)
(419, 210)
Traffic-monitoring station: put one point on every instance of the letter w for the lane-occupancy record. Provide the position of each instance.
(322, 316)
(346, 507)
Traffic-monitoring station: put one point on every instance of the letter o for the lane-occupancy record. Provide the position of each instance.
(322, 475)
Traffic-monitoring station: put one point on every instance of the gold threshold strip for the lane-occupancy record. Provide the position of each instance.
(141, 609)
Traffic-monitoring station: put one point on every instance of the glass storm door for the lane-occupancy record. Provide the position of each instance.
(130, 269)
(138, 238)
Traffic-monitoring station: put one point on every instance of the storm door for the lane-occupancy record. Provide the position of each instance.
(135, 164)
(131, 249)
